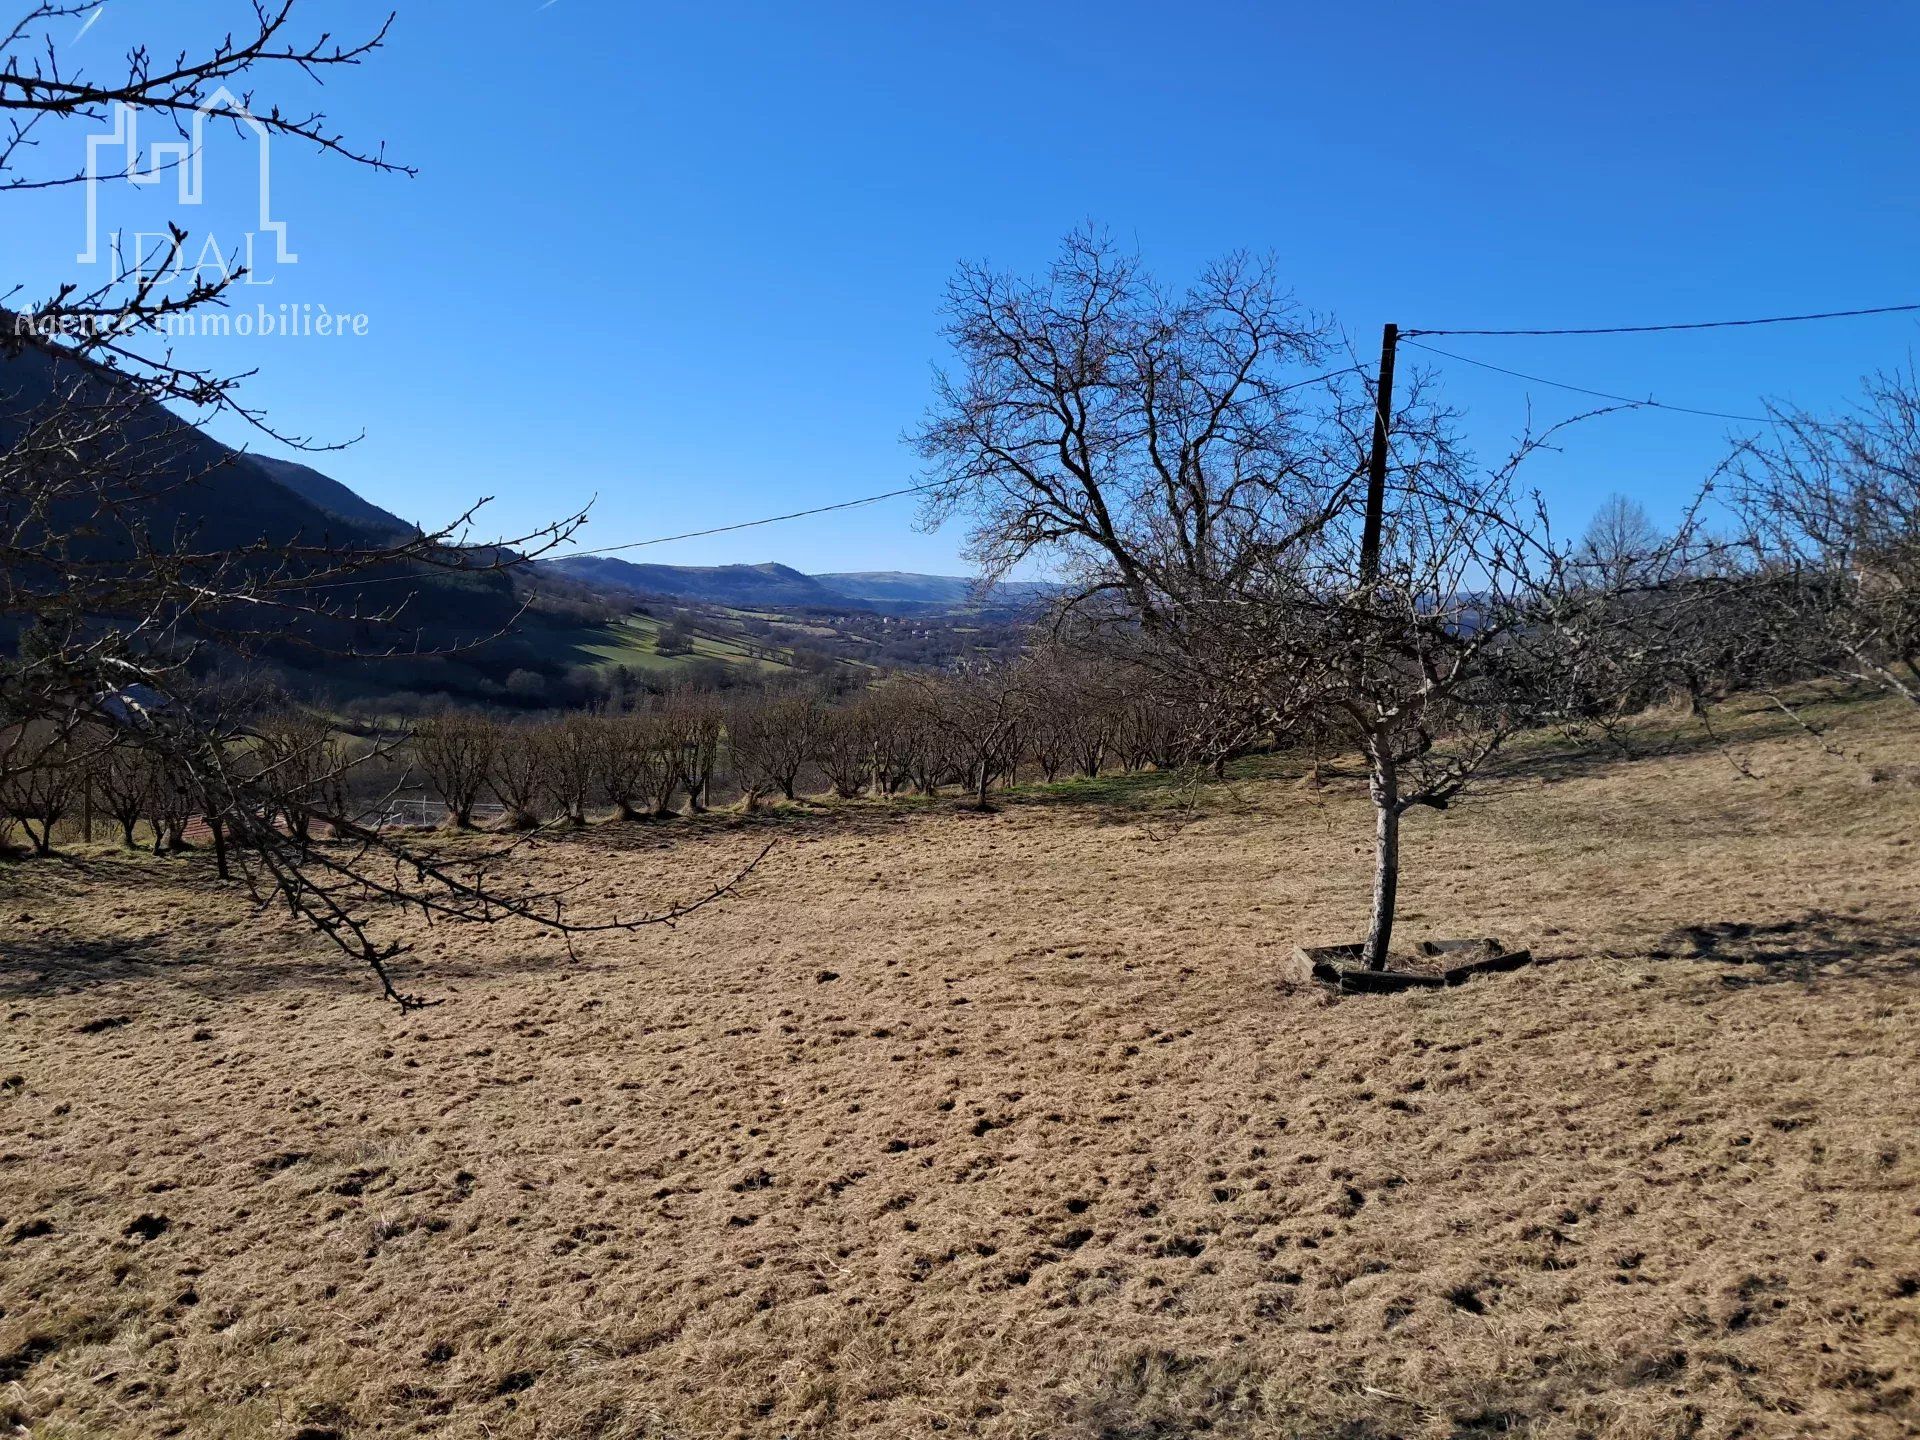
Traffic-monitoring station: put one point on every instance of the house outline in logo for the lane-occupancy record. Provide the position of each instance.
(186, 158)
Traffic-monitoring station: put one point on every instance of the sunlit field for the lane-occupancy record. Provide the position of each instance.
(1006, 1125)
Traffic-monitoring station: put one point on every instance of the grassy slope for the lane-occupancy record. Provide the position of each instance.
(1004, 1123)
(632, 642)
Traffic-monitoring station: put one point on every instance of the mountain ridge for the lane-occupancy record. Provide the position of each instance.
(770, 583)
(231, 497)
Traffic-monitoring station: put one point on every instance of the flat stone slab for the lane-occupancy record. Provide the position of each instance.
(1451, 962)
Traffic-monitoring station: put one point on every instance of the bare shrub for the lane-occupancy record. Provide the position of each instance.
(974, 718)
(124, 777)
(41, 781)
(846, 749)
(566, 754)
(516, 776)
(456, 752)
(771, 738)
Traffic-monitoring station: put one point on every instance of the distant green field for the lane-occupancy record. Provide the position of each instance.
(633, 642)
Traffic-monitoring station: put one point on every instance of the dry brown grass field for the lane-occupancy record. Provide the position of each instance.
(1005, 1125)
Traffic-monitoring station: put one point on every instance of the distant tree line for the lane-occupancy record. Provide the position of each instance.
(974, 730)
(1057, 713)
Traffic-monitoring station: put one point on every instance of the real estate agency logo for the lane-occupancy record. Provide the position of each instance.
(203, 254)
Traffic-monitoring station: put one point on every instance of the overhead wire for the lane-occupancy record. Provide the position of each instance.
(1683, 325)
(1648, 402)
(776, 519)
(1406, 336)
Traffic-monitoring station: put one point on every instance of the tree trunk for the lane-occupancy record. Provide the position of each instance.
(1384, 783)
(219, 829)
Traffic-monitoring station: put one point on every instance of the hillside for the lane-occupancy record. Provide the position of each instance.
(331, 496)
(775, 586)
(753, 586)
(196, 492)
(1007, 1126)
(895, 588)
(220, 495)
(570, 619)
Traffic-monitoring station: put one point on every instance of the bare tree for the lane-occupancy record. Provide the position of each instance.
(662, 746)
(1621, 545)
(698, 725)
(896, 732)
(772, 738)
(1049, 729)
(846, 749)
(175, 799)
(40, 785)
(1832, 514)
(124, 777)
(1086, 698)
(515, 778)
(299, 759)
(94, 469)
(567, 758)
(457, 753)
(1464, 636)
(1159, 443)
(975, 718)
(626, 759)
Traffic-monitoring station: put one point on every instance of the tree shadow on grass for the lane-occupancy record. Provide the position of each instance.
(1809, 948)
(198, 934)
(51, 966)
(91, 922)
(1132, 795)
(1733, 730)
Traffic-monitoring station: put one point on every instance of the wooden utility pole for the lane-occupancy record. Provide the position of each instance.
(1377, 460)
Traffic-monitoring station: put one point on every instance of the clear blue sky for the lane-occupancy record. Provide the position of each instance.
(688, 257)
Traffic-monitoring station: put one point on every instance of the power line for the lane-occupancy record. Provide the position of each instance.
(1580, 389)
(1278, 390)
(768, 520)
(873, 499)
(1691, 325)
(635, 544)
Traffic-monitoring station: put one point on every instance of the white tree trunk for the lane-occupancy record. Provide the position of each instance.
(1384, 783)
